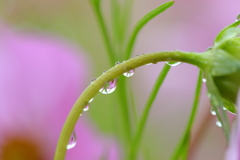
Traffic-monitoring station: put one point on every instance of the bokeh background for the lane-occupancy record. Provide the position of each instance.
(189, 25)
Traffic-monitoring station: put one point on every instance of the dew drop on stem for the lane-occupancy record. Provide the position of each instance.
(238, 17)
(218, 123)
(172, 64)
(90, 100)
(109, 87)
(94, 79)
(129, 73)
(204, 80)
(72, 141)
(212, 111)
(209, 48)
(116, 63)
(86, 108)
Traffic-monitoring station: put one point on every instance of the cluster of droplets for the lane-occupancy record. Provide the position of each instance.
(73, 138)
(213, 112)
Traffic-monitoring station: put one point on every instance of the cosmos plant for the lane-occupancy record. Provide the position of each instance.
(219, 69)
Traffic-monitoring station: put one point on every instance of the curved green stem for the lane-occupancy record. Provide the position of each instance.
(141, 125)
(198, 59)
(182, 147)
(141, 23)
(105, 34)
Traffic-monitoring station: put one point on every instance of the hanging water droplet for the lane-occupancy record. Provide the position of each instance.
(209, 48)
(148, 64)
(86, 108)
(129, 73)
(80, 115)
(154, 61)
(238, 17)
(172, 64)
(72, 141)
(212, 111)
(218, 123)
(204, 80)
(116, 63)
(109, 87)
(90, 100)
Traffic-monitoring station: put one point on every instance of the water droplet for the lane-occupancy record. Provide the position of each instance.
(90, 100)
(172, 64)
(80, 114)
(109, 87)
(148, 64)
(129, 73)
(209, 95)
(86, 108)
(209, 48)
(238, 17)
(224, 108)
(72, 141)
(218, 123)
(116, 63)
(204, 80)
(94, 79)
(212, 111)
(154, 61)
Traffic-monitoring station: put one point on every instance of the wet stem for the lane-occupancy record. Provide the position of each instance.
(197, 59)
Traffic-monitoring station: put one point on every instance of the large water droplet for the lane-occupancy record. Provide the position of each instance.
(172, 64)
(109, 87)
(218, 123)
(212, 111)
(86, 108)
(129, 73)
(72, 141)
(238, 17)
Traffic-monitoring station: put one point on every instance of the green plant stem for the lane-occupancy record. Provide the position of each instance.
(149, 16)
(197, 59)
(184, 142)
(135, 144)
(105, 34)
(124, 108)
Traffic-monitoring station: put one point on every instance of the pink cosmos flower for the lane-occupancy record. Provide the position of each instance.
(40, 79)
(234, 146)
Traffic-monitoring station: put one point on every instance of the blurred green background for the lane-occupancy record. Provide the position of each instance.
(189, 25)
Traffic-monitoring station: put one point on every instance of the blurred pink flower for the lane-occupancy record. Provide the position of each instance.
(40, 79)
(233, 151)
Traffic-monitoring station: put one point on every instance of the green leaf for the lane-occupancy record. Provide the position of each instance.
(223, 32)
(229, 106)
(144, 20)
